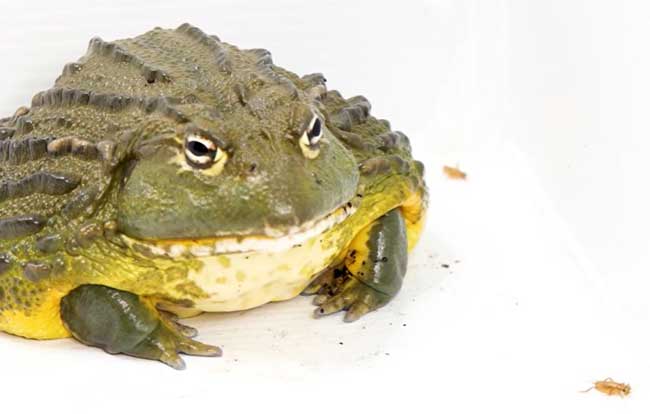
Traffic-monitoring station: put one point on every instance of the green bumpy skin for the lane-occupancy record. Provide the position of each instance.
(174, 173)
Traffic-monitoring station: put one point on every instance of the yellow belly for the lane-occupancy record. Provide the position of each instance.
(246, 280)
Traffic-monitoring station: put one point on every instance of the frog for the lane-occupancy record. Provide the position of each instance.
(173, 173)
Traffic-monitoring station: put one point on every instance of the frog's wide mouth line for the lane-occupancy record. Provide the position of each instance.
(179, 248)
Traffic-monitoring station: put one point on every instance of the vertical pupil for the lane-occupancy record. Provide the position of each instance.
(315, 130)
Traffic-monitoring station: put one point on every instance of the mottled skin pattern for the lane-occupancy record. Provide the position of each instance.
(118, 182)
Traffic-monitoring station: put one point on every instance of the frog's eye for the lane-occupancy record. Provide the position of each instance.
(311, 137)
(202, 152)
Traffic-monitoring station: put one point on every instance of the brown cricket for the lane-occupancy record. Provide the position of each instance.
(610, 387)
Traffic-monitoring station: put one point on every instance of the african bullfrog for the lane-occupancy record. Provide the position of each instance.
(173, 174)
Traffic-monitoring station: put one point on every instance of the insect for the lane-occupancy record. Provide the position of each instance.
(454, 173)
(610, 387)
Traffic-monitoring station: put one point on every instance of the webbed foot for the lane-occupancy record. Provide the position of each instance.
(122, 322)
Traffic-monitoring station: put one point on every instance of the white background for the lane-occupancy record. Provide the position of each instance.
(543, 103)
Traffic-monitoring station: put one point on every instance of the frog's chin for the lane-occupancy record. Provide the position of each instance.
(272, 241)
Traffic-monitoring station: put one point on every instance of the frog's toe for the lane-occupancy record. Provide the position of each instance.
(192, 347)
(366, 299)
(169, 353)
(169, 340)
(173, 360)
(183, 329)
(353, 296)
(357, 310)
(320, 299)
(331, 305)
(318, 283)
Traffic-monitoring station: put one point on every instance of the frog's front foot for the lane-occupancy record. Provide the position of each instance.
(347, 293)
(371, 274)
(122, 322)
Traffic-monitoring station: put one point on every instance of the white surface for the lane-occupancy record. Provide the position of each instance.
(542, 103)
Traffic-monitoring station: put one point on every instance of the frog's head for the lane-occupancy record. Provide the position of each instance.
(262, 174)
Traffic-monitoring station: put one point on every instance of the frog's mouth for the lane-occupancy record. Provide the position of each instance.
(272, 240)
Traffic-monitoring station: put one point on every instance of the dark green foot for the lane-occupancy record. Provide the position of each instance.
(121, 322)
(371, 274)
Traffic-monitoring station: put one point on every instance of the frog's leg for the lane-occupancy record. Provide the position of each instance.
(371, 274)
(122, 322)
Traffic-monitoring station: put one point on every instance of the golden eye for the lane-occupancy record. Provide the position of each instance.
(202, 152)
(309, 141)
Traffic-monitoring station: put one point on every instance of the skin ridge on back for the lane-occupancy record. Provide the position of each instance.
(64, 161)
